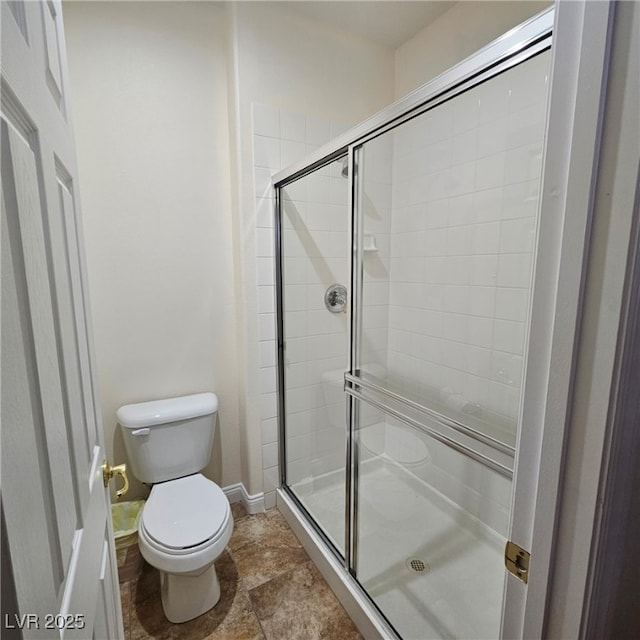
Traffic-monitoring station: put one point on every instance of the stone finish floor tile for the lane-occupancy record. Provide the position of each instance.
(299, 604)
(269, 589)
(231, 619)
(125, 600)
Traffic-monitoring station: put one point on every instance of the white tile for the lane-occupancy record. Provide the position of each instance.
(293, 126)
(482, 301)
(269, 430)
(267, 353)
(268, 406)
(520, 200)
(523, 164)
(296, 349)
(296, 375)
(512, 304)
(269, 455)
(298, 423)
(298, 400)
(295, 324)
(295, 297)
(318, 217)
(526, 126)
(517, 236)
(490, 171)
(292, 152)
(480, 331)
(459, 241)
(484, 270)
(295, 270)
(465, 111)
(464, 147)
(461, 210)
(514, 270)
(266, 299)
(319, 189)
(460, 179)
(506, 368)
(266, 120)
(454, 327)
(296, 191)
(266, 271)
(262, 182)
(486, 238)
(266, 152)
(270, 499)
(264, 213)
(267, 380)
(509, 336)
(264, 242)
(339, 193)
(318, 322)
(271, 481)
(494, 99)
(492, 138)
(478, 361)
(266, 326)
(456, 299)
(488, 204)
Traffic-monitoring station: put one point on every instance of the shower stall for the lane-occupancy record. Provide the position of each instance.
(404, 261)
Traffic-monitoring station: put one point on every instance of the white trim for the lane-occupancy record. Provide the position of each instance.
(237, 493)
(580, 49)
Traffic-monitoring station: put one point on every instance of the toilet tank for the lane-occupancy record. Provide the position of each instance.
(168, 439)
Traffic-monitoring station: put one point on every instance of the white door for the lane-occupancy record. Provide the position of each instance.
(55, 507)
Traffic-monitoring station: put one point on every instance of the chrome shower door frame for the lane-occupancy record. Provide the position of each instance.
(581, 23)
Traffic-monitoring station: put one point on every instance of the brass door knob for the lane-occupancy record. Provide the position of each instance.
(119, 470)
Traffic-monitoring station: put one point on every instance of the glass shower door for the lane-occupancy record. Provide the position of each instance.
(314, 245)
(446, 218)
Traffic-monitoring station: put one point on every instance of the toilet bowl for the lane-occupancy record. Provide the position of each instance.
(185, 526)
(186, 522)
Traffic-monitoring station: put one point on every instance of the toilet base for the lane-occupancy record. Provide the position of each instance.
(186, 596)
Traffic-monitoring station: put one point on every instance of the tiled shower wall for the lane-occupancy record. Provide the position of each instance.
(465, 197)
(449, 202)
(315, 345)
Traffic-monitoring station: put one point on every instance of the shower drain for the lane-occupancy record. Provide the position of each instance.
(417, 565)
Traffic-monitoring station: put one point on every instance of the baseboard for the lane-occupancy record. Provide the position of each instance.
(237, 493)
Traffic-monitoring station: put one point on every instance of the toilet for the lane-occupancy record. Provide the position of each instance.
(186, 522)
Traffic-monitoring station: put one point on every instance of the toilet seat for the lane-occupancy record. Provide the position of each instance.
(185, 515)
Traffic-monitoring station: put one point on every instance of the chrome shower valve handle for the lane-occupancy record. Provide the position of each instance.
(335, 298)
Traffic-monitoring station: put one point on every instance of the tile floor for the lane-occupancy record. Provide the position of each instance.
(270, 590)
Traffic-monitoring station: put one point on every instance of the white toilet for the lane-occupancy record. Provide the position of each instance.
(186, 522)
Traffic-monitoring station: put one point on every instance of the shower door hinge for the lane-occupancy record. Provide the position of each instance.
(516, 559)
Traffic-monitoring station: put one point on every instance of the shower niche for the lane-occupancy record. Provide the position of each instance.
(399, 417)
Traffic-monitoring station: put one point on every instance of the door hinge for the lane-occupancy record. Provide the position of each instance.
(516, 559)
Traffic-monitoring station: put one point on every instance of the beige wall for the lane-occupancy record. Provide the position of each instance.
(149, 102)
(455, 35)
(289, 63)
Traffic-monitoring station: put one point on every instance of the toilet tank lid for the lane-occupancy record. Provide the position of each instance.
(148, 414)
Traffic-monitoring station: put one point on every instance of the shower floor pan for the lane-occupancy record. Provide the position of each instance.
(403, 519)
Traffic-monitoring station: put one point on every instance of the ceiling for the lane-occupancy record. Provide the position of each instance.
(387, 23)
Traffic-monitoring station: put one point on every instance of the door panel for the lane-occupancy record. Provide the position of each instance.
(55, 506)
